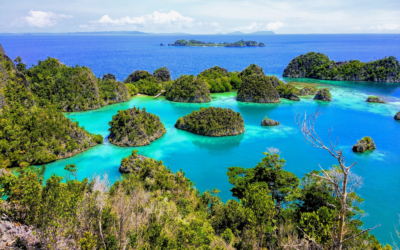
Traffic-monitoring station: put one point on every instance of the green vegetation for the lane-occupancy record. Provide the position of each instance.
(72, 88)
(143, 82)
(241, 43)
(212, 122)
(308, 90)
(323, 95)
(257, 88)
(135, 127)
(319, 66)
(366, 143)
(162, 74)
(251, 70)
(220, 80)
(33, 131)
(154, 208)
(38, 135)
(188, 88)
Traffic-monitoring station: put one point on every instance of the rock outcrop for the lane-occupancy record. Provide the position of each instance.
(132, 163)
(397, 116)
(162, 74)
(323, 95)
(375, 99)
(212, 121)
(257, 88)
(135, 127)
(188, 89)
(269, 122)
(319, 66)
(308, 91)
(137, 76)
(364, 144)
(1, 49)
(291, 96)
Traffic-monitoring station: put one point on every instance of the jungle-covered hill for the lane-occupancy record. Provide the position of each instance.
(319, 66)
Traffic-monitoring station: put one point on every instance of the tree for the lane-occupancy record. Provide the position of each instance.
(342, 180)
(259, 209)
(72, 169)
(282, 185)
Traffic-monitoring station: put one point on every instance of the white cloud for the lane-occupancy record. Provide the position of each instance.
(390, 26)
(43, 19)
(261, 27)
(275, 25)
(156, 18)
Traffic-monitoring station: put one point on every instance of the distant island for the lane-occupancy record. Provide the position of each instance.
(195, 43)
(319, 66)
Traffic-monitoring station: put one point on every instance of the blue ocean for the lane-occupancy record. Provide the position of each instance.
(205, 160)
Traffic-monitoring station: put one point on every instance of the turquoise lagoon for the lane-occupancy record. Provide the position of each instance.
(205, 159)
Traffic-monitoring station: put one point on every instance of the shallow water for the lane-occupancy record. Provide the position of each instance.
(205, 160)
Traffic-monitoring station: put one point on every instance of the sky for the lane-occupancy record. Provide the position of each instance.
(201, 16)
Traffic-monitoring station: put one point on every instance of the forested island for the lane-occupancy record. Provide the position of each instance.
(135, 127)
(33, 130)
(195, 43)
(212, 121)
(319, 66)
(188, 89)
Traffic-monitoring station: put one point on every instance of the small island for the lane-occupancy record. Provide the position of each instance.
(269, 122)
(135, 127)
(397, 116)
(257, 88)
(375, 99)
(364, 144)
(212, 121)
(323, 95)
(319, 66)
(195, 43)
(188, 88)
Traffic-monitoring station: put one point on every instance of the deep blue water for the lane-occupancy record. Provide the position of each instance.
(205, 160)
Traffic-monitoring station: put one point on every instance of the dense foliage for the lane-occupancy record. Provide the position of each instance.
(318, 65)
(257, 88)
(188, 88)
(220, 80)
(153, 208)
(137, 76)
(72, 88)
(251, 70)
(40, 135)
(135, 127)
(212, 122)
(30, 134)
(162, 74)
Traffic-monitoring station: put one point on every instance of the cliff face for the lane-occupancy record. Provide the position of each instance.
(257, 88)
(188, 89)
(319, 66)
(135, 127)
(397, 116)
(212, 121)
